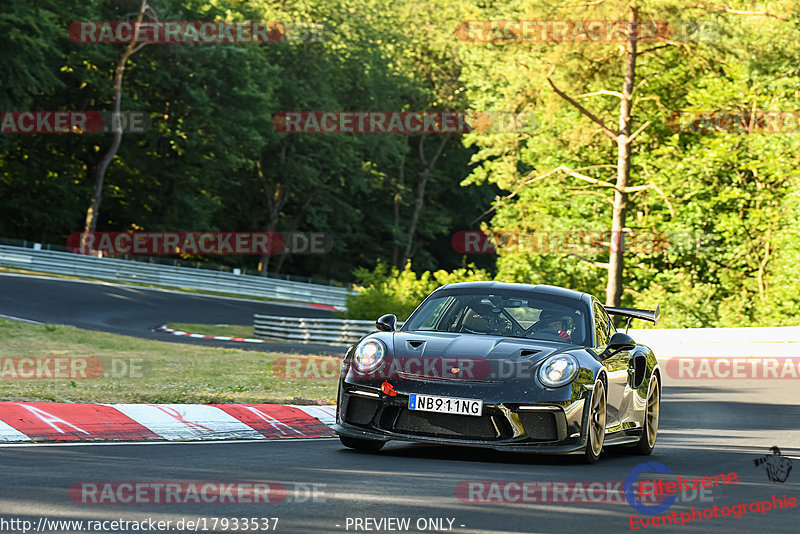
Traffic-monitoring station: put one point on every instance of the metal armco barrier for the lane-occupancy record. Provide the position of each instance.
(51, 261)
(307, 330)
(666, 343)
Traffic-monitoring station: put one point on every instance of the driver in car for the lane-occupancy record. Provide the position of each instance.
(482, 319)
(554, 323)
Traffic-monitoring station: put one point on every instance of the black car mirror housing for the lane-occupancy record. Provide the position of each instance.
(386, 323)
(619, 341)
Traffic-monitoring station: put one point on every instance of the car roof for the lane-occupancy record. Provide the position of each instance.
(530, 288)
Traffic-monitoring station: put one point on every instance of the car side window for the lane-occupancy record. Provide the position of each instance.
(602, 325)
(436, 313)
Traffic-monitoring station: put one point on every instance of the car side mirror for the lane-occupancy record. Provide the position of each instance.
(386, 323)
(619, 341)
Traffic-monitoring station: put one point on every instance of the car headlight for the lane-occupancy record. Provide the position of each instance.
(369, 355)
(558, 370)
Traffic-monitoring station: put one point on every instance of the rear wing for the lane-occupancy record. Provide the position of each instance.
(633, 313)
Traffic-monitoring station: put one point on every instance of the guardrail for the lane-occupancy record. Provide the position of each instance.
(308, 330)
(51, 261)
(666, 343)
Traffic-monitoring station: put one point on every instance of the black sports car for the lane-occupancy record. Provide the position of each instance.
(508, 366)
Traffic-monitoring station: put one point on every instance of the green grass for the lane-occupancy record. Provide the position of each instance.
(165, 372)
(231, 330)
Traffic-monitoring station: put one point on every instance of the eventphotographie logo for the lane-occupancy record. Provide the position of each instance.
(778, 467)
(666, 491)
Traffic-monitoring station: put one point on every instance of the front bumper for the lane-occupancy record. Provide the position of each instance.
(553, 427)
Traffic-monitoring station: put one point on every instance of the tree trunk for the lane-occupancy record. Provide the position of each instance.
(424, 175)
(614, 287)
(100, 173)
(274, 200)
(398, 196)
(293, 228)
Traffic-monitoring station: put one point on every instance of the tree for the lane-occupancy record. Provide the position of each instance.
(699, 65)
(100, 172)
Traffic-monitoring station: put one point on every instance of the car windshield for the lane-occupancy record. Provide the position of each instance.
(521, 314)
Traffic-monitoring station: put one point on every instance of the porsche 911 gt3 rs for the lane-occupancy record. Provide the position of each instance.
(508, 366)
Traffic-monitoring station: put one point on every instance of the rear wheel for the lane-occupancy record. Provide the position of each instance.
(596, 431)
(650, 426)
(369, 445)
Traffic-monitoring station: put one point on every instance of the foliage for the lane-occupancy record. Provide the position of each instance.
(727, 203)
(211, 107)
(385, 290)
(724, 201)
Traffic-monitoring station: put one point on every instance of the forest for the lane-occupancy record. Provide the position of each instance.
(644, 151)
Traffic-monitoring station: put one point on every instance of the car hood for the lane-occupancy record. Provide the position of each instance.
(459, 356)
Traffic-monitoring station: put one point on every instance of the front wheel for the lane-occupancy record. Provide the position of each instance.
(596, 431)
(368, 445)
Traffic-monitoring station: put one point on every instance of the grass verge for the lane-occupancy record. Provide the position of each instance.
(230, 330)
(143, 371)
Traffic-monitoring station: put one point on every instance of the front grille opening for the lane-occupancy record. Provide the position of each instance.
(539, 425)
(448, 425)
(389, 416)
(360, 411)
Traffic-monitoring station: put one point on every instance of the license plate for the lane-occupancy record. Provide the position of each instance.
(429, 403)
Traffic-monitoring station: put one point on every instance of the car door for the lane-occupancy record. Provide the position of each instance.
(617, 365)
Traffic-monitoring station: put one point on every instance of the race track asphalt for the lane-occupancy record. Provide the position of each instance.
(136, 311)
(708, 428)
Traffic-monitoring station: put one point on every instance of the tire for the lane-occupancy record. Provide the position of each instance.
(367, 445)
(652, 413)
(596, 431)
